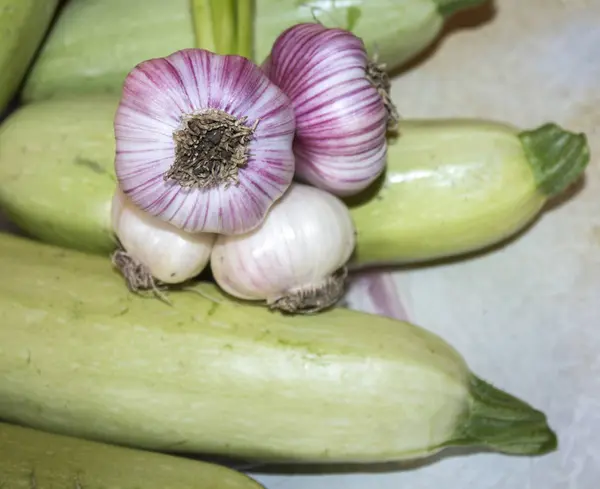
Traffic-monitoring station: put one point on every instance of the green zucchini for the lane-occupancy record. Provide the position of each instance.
(82, 356)
(56, 171)
(456, 186)
(451, 186)
(95, 43)
(23, 24)
(31, 458)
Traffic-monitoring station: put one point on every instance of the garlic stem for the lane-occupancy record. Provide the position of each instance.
(203, 24)
(224, 26)
(245, 13)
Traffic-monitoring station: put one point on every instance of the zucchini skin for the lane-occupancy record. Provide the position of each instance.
(96, 43)
(56, 171)
(451, 187)
(81, 355)
(454, 186)
(23, 24)
(33, 458)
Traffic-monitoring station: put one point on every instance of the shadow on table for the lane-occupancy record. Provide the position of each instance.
(472, 18)
(566, 196)
(324, 469)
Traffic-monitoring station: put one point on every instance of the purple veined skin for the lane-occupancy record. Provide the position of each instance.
(376, 292)
(342, 106)
(160, 96)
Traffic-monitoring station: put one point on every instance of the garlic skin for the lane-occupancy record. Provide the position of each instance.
(204, 141)
(169, 254)
(342, 105)
(376, 292)
(296, 259)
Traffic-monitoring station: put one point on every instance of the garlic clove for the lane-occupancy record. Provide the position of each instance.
(295, 260)
(162, 252)
(204, 141)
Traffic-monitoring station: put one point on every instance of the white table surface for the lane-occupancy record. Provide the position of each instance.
(527, 316)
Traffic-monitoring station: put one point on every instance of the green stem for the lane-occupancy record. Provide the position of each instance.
(245, 28)
(504, 423)
(203, 25)
(557, 157)
(224, 26)
(449, 7)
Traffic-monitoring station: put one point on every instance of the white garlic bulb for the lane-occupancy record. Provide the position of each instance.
(154, 249)
(295, 260)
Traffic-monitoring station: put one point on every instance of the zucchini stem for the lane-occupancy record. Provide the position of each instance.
(557, 157)
(504, 423)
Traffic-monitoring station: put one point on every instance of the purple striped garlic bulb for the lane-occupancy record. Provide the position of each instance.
(342, 105)
(204, 141)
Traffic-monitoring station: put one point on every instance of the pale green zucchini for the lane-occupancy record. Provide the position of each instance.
(56, 171)
(456, 186)
(37, 459)
(95, 43)
(80, 355)
(451, 186)
(23, 24)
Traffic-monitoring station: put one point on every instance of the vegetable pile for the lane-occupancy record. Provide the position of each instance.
(200, 199)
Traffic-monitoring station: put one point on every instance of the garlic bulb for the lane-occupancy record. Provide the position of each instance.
(204, 141)
(342, 104)
(295, 260)
(154, 249)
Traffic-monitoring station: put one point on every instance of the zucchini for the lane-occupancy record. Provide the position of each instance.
(457, 186)
(23, 24)
(95, 43)
(451, 186)
(80, 355)
(32, 458)
(56, 171)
